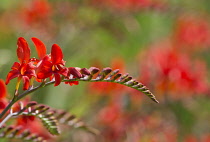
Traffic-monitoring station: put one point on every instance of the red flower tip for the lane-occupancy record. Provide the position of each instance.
(23, 51)
(3, 90)
(40, 47)
(56, 54)
(71, 83)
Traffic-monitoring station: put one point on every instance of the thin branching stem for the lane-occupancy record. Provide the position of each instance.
(5, 119)
(27, 92)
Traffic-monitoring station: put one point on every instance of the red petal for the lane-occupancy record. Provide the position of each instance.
(32, 118)
(43, 75)
(57, 79)
(56, 54)
(44, 70)
(12, 74)
(15, 66)
(72, 83)
(40, 47)
(64, 72)
(26, 82)
(3, 104)
(23, 51)
(30, 71)
(3, 90)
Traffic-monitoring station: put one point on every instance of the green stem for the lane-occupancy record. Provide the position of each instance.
(20, 96)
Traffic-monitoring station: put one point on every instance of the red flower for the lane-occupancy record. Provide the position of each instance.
(110, 114)
(45, 66)
(192, 32)
(3, 93)
(173, 73)
(52, 64)
(38, 11)
(25, 69)
(40, 47)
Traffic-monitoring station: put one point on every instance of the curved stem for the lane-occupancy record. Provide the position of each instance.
(5, 119)
(7, 108)
(20, 96)
(16, 98)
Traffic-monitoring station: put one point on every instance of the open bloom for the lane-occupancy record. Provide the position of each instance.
(173, 73)
(25, 69)
(192, 32)
(51, 65)
(3, 92)
(46, 66)
(36, 12)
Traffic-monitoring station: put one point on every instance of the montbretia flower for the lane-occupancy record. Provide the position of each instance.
(38, 11)
(173, 73)
(192, 32)
(25, 69)
(3, 93)
(46, 66)
(52, 65)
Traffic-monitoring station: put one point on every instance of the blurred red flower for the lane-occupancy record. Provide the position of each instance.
(167, 71)
(3, 93)
(37, 11)
(192, 32)
(25, 69)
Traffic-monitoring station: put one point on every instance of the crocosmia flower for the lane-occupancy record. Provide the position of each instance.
(193, 32)
(24, 69)
(46, 66)
(3, 92)
(52, 65)
(173, 73)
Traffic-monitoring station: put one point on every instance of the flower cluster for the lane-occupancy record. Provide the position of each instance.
(36, 11)
(192, 32)
(173, 73)
(50, 66)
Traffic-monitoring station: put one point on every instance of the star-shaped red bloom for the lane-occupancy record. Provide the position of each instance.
(25, 69)
(3, 93)
(50, 65)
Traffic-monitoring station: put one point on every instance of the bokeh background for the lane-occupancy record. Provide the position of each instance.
(165, 44)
